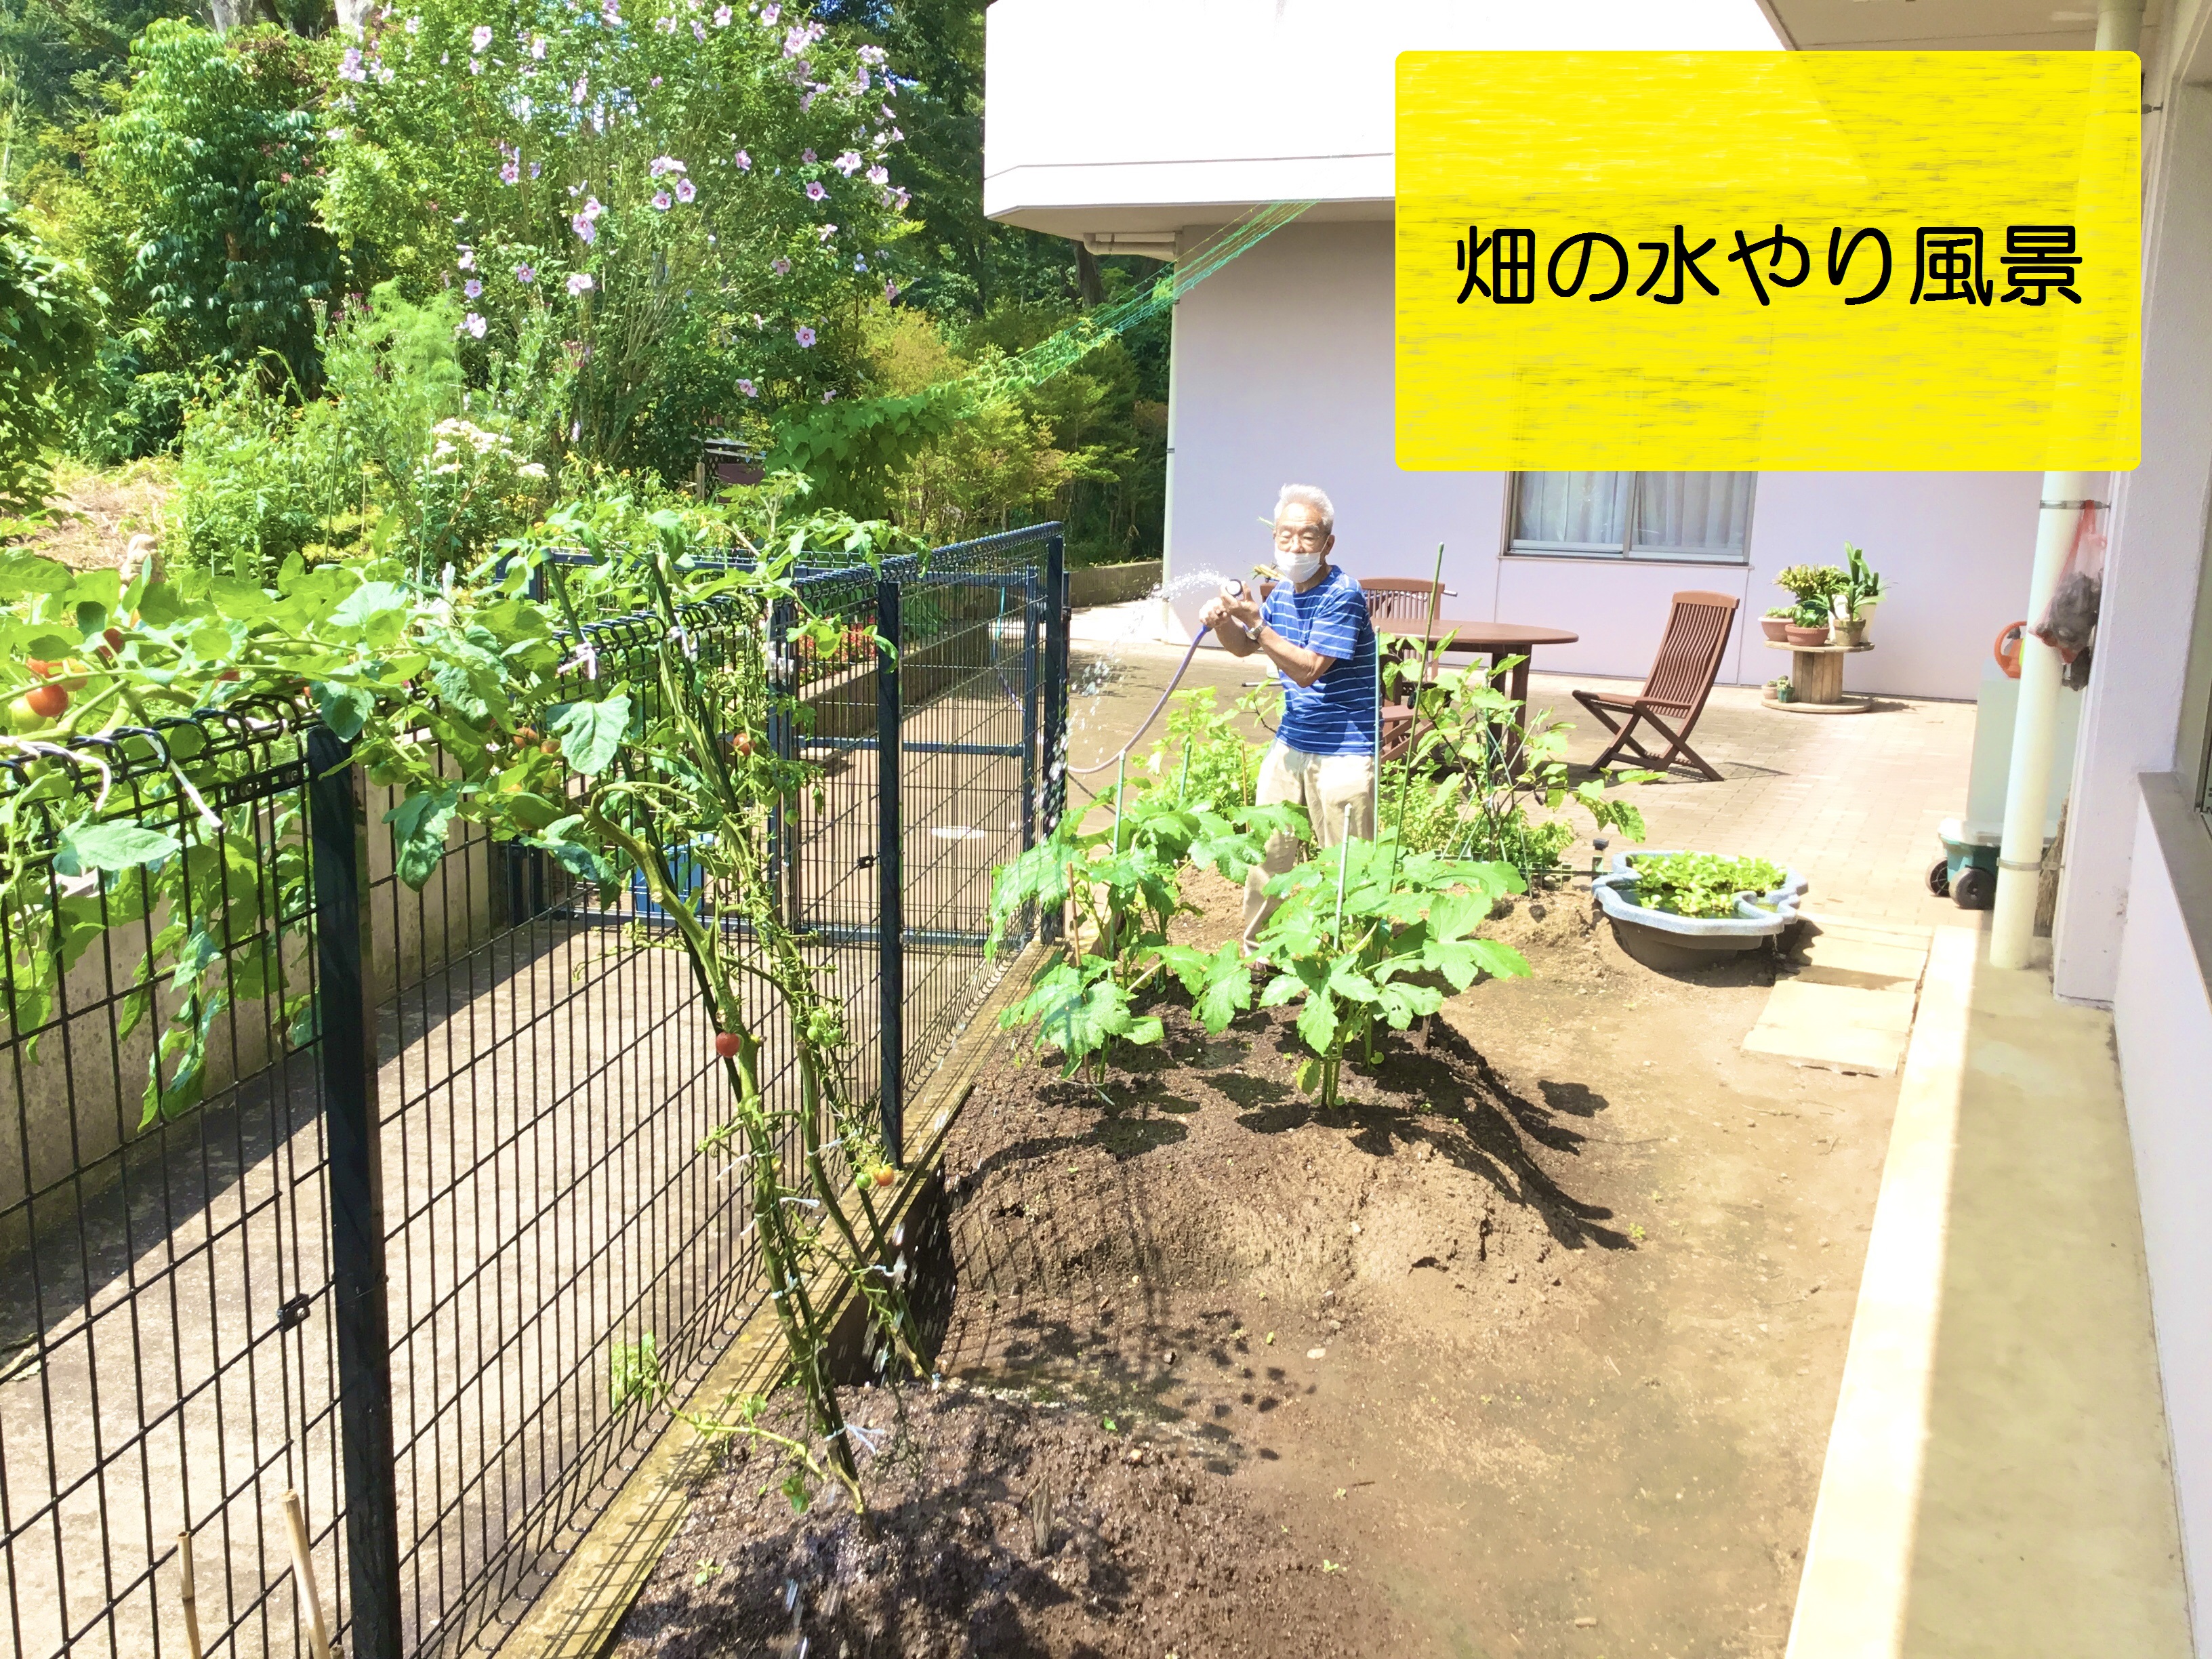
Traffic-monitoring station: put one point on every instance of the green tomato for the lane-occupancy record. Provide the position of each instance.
(23, 719)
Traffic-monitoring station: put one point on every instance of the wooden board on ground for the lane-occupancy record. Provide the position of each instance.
(1845, 997)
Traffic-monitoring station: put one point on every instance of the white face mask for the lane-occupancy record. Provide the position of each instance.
(1299, 567)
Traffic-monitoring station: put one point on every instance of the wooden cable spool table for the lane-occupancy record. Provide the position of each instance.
(1816, 680)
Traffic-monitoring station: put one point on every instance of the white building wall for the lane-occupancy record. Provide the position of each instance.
(1284, 372)
(2162, 1023)
(2157, 548)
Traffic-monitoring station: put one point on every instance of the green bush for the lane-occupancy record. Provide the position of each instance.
(214, 158)
(47, 335)
(401, 455)
(651, 221)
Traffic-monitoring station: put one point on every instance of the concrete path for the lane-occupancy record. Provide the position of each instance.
(1998, 1481)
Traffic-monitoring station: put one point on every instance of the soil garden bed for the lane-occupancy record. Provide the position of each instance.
(1530, 1348)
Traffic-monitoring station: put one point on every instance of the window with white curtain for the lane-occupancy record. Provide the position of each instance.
(1672, 516)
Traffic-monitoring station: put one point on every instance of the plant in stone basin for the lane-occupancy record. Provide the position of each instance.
(1115, 889)
(1700, 884)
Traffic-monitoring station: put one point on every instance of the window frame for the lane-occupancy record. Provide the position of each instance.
(1625, 550)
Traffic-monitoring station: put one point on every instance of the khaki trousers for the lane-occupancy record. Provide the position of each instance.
(1324, 785)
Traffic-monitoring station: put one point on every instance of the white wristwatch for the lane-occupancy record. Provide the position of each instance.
(1257, 629)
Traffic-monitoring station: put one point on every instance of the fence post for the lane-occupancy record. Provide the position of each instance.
(890, 875)
(1055, 701)
(358, 1309)
(783, 864)
(1032, 697)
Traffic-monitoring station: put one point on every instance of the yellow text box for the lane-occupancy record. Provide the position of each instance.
(1999, 188)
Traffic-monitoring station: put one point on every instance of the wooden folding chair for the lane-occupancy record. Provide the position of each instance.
(1674, 693)
(1401, 598)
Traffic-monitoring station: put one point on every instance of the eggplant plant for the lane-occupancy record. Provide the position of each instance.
(1113, 891)
(1479, 764)
(1365, 936)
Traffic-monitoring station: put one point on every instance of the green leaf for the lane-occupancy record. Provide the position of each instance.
(345, 709)
(418, 827)
(238, 599)
(591, 733)
(1317, 1023)
(111, 847)
(28, 572)
(1348, 982)
(160, 604)
(377, 611)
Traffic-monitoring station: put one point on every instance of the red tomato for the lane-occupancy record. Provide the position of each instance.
(47, 702)
(727, 1044)
(38, 667)
(227, 674)
(885, 1175)
(742, 744)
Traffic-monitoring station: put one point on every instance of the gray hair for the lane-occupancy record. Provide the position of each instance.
(1308, 495)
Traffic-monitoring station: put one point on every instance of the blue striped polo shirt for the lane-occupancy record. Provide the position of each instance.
(1336, 714)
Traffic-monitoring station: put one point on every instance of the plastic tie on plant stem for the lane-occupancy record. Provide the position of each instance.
(586, 658)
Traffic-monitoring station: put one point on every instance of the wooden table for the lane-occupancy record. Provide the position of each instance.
(1816, 679)
(1495, 640)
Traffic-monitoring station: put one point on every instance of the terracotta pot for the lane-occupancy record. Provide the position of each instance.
(1797, 636)
(1776, 627)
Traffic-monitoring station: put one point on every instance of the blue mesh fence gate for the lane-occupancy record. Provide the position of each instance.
(445, 1154)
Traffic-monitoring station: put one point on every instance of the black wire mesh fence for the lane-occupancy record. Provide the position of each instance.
(490, 1093)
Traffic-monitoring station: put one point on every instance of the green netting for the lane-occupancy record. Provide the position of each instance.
(865, 435)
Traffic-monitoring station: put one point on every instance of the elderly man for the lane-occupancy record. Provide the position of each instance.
(1314, 628)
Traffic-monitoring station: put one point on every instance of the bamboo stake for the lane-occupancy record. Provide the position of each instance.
(303, 1575)
(188, 1594)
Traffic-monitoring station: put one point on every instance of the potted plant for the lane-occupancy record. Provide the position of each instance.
(1673, 910)
(1855, 601)
(1781, 689)
(1776, 622)
(1814, 586)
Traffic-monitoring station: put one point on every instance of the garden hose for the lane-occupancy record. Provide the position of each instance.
(1234, 590)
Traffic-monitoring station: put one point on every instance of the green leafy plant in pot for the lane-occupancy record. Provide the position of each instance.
(1814, 586)
(1853, 605)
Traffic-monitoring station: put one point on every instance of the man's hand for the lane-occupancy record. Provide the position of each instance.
(1242, 611)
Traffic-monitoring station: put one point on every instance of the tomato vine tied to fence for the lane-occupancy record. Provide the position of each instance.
(615, 748)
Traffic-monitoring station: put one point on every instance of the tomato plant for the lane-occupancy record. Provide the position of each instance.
(470, 699)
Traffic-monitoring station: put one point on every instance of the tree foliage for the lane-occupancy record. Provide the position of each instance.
(48, 337)
(216, 154)
(664, 218)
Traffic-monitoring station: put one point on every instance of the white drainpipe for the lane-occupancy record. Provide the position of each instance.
(2027, 789)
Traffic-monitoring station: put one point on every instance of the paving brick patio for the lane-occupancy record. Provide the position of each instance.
(1852, 801)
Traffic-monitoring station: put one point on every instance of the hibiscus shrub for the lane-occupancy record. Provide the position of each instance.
(657, 218)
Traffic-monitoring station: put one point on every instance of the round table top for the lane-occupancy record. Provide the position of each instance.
(1818, 650)
(1463, 634)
